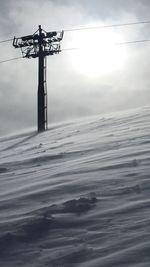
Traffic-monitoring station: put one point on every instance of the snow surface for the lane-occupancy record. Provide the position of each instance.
(78, 194)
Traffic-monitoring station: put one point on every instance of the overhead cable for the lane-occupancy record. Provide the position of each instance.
(108, 26)
(7, 40)
(10, 59)
(78, 48)
(96, 27)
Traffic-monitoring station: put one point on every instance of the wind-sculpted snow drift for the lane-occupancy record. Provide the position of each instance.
(78, 194)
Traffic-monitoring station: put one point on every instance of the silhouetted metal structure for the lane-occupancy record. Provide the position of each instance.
(40, 44)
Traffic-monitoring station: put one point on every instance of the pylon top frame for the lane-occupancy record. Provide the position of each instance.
(29, 45)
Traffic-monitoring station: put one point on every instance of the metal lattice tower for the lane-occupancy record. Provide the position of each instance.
(41, 44)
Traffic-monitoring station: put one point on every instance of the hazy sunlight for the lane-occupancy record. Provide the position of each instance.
(98, 53)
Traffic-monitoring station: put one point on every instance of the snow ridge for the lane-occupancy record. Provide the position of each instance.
(78, 194)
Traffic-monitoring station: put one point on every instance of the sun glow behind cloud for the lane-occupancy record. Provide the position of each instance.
(97, 53)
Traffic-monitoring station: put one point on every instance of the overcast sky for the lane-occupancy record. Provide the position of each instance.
(79, 83)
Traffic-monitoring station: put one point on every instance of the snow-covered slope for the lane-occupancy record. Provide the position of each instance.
(78, 194)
